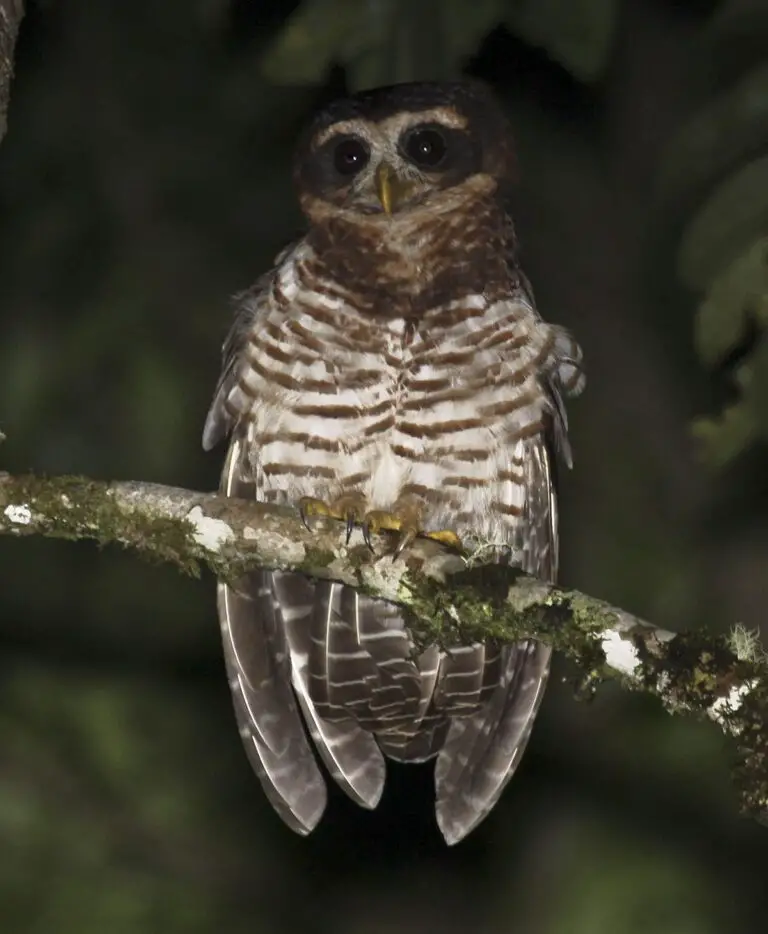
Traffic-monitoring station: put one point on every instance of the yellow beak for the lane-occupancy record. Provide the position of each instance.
(390, 188)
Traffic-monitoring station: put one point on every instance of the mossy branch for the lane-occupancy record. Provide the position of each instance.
(449, 598)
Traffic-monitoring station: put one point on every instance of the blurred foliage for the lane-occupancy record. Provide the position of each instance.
(385, 41)
(145, 177)
(717, 167)
(737, 301)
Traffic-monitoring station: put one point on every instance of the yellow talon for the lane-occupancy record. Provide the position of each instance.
(310, 507)
(445, 537)
(349, 508)
(378, 520)
(406, 520)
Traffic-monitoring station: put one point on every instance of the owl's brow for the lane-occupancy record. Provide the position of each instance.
(445, 116)
(393, 126)
(343, 128)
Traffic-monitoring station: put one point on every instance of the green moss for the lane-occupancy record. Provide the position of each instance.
(695, 670)
(358, 556)
(473, 606)
(750, 773)
(74, 508)
(316, 558)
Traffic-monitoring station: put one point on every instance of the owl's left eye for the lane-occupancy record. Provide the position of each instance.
(425, 147)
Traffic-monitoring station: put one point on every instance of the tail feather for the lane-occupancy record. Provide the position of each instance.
(421, 738)
(341, 674)
(382, 635)
(493, 671)
(349, 752)
(481, 752)
(460, 682)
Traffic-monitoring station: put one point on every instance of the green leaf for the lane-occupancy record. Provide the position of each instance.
(722, 438)
(380, 42)
(734, 216)
(315, 36)
(734, 39)
(756, 392)
(718, 162)
(730, 130)
(737, 296)
(386, 41)
(576, 33)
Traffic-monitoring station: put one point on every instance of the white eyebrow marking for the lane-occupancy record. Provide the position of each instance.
(445, 116)
(391, 127)
(343, 128)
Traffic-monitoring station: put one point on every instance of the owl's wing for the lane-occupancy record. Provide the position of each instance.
(481, 752)
(269, 627)
(258, 661)
(256, 650)
(250, 307)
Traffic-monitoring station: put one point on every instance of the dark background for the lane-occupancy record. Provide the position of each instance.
(145, 178)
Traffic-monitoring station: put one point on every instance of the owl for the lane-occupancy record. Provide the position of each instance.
(392, 371)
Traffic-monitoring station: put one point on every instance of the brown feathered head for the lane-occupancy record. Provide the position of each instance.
(395, 149)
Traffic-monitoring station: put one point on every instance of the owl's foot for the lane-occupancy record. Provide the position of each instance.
(349, 507)
(406, 520)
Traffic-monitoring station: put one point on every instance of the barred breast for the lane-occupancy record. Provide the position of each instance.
(336, 401)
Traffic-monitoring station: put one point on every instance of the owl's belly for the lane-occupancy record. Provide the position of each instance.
(374, 469)
(454, 481)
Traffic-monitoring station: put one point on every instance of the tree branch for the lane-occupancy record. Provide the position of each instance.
(11, 12)
(449, 598)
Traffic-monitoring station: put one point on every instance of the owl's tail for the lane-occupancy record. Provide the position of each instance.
(473, 707)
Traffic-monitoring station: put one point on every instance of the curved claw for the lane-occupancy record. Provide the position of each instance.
(304, 514)
(404, 521)
(309, 506)
(379, 520)
(405, 540)
(348, 508)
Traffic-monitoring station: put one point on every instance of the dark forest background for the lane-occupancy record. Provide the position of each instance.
(144, 178)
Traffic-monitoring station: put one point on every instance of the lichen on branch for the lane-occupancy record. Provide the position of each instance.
(448, 598)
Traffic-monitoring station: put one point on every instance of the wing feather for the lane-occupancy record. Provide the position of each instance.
(258, 665)
(267, 620)
(481, 752)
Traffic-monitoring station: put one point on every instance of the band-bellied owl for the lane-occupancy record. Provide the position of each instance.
(392, 370)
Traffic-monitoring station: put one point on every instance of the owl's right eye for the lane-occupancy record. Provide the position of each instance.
(350, 156)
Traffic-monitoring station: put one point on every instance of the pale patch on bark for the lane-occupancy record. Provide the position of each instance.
(20, 515)
(620, 653)
(209, 533)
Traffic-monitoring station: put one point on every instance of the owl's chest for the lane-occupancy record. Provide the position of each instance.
(389, 412)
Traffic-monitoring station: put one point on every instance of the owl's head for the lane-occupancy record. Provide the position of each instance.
(398, 149)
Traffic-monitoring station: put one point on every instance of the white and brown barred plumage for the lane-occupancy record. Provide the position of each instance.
(394, 352)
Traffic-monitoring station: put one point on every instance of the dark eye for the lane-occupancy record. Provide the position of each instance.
(350, 156)
(426, 147)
